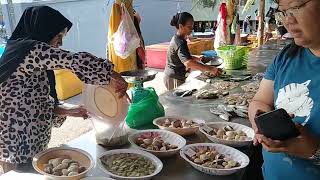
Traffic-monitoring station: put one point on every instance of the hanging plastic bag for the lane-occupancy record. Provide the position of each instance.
(126, 39)
(144, 110)
(221, 31)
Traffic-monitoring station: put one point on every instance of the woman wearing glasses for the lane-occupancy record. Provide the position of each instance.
(292, 82)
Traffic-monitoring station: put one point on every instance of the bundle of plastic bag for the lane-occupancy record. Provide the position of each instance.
(126, 39)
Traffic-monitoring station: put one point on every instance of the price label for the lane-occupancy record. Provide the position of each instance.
(190, 152)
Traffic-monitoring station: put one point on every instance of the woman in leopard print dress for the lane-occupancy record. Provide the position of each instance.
(27, 114)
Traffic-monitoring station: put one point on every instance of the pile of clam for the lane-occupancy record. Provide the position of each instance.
(211, 158)
(63, 167)
(176, 123)
(226, 112)
(251, 87)
(225, 86)
(229, 134)
(258, 77)
(155, 144)
(239, 99)
(211, 94)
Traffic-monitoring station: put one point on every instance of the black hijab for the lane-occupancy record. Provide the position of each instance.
(37, 24)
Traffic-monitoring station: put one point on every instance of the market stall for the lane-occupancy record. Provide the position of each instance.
(207, 108)
(156, 54)
(189, 107)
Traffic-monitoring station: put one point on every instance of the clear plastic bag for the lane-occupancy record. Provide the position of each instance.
(110, 134)
(109, 131)
(126, 39)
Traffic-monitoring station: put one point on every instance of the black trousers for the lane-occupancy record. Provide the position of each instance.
(254, 169)
(52, 84)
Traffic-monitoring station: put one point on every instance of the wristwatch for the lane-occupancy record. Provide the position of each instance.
(315, 158)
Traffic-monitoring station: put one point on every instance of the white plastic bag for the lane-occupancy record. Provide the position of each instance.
(126, 40)
(220, 39)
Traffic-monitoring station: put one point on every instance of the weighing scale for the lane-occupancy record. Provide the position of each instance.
(137, 78)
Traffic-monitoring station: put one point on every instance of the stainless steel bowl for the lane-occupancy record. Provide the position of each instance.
(215, 61)
(139, 76)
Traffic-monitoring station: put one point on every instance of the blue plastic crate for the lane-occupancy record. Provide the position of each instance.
(209, 54)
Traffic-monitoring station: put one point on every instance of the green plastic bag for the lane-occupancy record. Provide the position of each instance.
(143, 112)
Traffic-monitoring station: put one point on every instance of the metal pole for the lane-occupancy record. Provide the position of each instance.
(261, 22)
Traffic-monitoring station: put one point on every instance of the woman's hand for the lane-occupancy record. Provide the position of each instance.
(74, 112)
(303, 146)
(257, 113)
(78, 112)
(213, 71)
(267, 36)
(120, 85)
(197, 58)
(261, 102)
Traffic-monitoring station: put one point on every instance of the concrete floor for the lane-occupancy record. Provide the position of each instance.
(74, 127)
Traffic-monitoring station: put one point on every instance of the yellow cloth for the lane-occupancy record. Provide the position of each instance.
(120, 65)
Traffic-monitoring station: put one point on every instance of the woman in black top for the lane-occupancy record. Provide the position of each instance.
(179, 59)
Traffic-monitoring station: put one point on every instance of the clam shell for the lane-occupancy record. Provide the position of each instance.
(243, 103)
(225, 117)
(242, 107)
(232, 106)
(228, 128)
(225, 93)
(243, 110)
(241, 114)
(215, 111)
(221, 107)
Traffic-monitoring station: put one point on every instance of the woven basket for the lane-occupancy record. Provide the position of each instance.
(235, 57)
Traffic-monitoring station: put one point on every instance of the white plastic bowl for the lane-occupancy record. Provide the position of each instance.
(166, 136)
(78, 155)
(249, 131)
(222, 149)
(156, 161)
(181, 131)
(97, 178)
